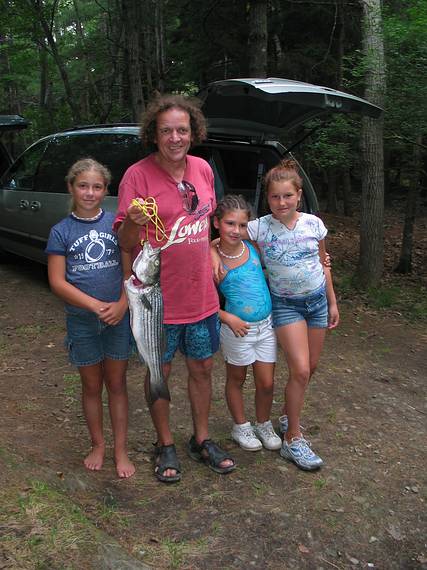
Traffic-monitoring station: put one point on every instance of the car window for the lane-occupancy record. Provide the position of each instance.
(116, 151)
(4, 159)
(22, 173)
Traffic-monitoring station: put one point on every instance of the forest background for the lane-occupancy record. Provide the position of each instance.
(74, 62)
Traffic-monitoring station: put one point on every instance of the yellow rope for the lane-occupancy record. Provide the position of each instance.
(150, 209)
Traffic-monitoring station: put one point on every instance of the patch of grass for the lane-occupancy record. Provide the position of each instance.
(397, 292)
(175, 551)
(29, 330)
(5, 346)
(179, 550)
(72, 384)
(383, 297)
(111, 514)
(38, 522)
(319, 483)
(344, 283)
(28, 406)
(332, 416)
(216, 527)
(260, 488)
(331, 521)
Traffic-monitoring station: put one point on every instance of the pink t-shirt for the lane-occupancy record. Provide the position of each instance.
(189, 293)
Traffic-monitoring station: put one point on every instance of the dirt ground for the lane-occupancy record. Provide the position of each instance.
(365, 415)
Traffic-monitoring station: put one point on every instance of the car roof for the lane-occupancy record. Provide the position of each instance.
(12, 123)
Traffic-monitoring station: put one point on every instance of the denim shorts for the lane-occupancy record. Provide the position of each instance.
(312, 308)
(198, 340)
(90, 340)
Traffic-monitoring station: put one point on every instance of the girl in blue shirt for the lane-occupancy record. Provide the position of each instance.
(247, 336)
(85, 271)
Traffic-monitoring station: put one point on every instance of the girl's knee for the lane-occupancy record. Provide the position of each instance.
(92, 390)
(265, 389)
(116, 386)
(301, 375)
(234, 382)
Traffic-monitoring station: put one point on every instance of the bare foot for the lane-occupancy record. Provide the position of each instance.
(124, 467)
(95, 459)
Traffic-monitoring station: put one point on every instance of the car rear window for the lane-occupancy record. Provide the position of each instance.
(116, 151)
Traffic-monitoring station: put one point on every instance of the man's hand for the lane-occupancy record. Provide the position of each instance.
(136, 215)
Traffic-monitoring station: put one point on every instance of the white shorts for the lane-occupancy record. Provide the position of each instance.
(259, 344)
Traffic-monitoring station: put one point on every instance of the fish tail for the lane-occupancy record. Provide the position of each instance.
(158, 391)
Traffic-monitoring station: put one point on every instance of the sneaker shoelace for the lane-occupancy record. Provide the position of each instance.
(267, 431)
(303, 447)
(247, 432)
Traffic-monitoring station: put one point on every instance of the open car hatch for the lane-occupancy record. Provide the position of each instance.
(263, 108)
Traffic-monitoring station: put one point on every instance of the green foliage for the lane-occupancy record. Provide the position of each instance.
(203, 42)
(405, 31)
(334, 143)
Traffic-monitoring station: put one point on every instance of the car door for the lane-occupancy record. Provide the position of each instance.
(18, 205)
(51, 200)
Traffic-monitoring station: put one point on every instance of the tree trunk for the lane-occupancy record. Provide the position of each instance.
(341, 44)
(405, 261)
(132, 25)
(346, 193)
(44, 79)
(70, 96)
(160, 45)
(332, 203)
(371, 260)
(257, 38)
(93, 103)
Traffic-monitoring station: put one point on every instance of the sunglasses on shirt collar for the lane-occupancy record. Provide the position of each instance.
(190, 200)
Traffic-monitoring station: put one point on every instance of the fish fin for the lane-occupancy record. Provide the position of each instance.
(146, 302)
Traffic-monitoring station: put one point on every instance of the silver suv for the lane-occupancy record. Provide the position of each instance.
(246, 118)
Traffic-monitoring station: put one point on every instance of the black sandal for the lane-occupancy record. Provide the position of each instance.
(209, 453)
(165, 458)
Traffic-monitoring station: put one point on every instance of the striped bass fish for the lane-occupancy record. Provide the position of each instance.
(146, 317)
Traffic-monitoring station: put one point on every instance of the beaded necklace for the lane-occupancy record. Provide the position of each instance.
(98, 215)
(231, 256)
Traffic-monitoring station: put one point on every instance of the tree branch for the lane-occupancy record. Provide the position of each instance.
(406, 139)
(331, 37)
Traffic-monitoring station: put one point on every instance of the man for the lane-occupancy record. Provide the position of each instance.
(183, 188)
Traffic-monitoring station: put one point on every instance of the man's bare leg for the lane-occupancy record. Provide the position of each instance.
(200, 393)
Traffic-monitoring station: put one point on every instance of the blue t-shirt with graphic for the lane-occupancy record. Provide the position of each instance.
(92, 256)
(245, 289)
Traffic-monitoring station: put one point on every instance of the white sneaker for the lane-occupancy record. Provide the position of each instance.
(300, 452)
(244, 435)
(267, 435)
